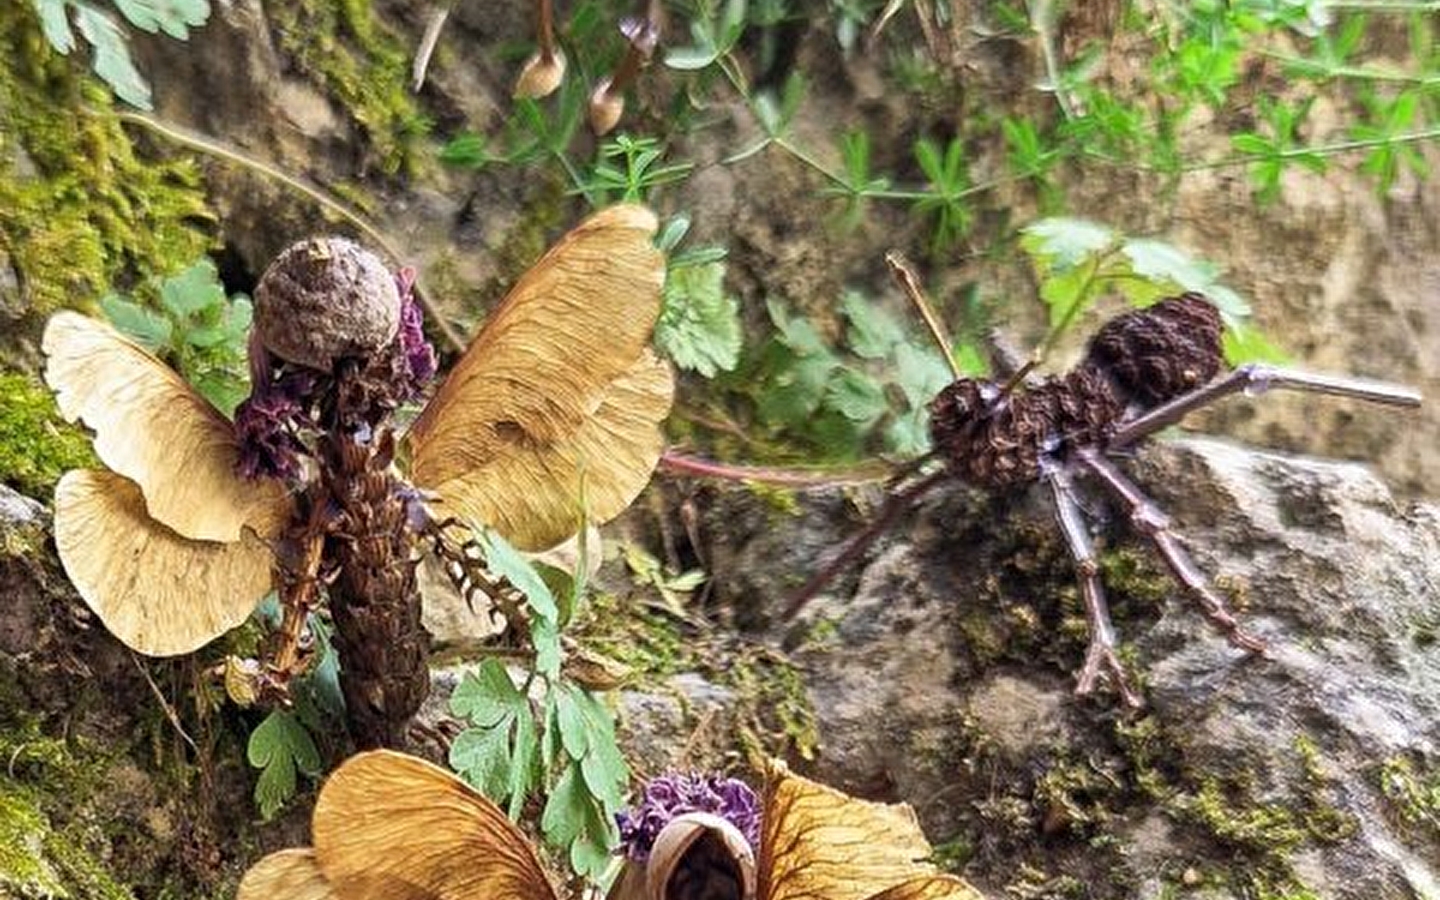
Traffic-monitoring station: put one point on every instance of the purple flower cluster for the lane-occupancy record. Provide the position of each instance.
(266, 423)
(419, 355)
(677, 793)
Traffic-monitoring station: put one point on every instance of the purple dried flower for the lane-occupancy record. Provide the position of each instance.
(266, 422)
(419, 355)
(675, 794)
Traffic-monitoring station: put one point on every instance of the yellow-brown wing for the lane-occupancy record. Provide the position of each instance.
(816, 842)
(151, 427)
(286, 875)
(532, 494)
(392, 827)
(545, 364)
(931, 887)
(157, 591)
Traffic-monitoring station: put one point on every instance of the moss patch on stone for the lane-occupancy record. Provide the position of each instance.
(80, 209)
(362, 64)
(36, 445)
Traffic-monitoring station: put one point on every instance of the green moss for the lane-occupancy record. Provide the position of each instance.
(23, 833)
(80, 210)
(362, 64)
(36, 445)
(1414, 794)
(781, 500)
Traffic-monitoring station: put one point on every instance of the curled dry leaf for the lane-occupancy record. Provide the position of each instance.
(816, 843)
(286, 875)
(392, 827)
(154, 429)
(156, 590)
(164, 549)
(557, 399)
(389, 826)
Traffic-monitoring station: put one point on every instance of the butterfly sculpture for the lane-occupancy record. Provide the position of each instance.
(195, 519)
(392, 827)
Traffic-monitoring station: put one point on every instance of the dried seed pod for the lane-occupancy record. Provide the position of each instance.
(700, 855)
(541, 76)
(1160, 352)
(323, 299)
(995, 441)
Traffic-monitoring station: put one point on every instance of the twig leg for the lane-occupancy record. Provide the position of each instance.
(1255, 379)
(1100, 658)
(1147, 517)
(895, 504)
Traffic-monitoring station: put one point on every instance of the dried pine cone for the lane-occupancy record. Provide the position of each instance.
(1158, 353)
(998, 441)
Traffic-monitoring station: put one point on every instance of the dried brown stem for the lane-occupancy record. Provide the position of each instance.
(895, 505)
(1154, 524)
(1255, 379)
(1101, 657)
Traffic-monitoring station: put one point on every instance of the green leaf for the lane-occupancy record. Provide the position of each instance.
(797, 333)
(193, 291)
(856, 396)
(487, 696)
(545, 638)
(699, 326)
(523, 764)
(1063, 243)
(571, 720)
(280, 746)
(1160, 261)
(909, 433)
(174, 17)
(921, 374)
(565, 811)
(149, 329)
(873, 333)
(482, 756)
(56, 25)
(504, 560)
(550, 735)
(1244, 343)
(111, 56)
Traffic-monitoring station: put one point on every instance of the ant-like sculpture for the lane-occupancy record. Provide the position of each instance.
(1143, 371)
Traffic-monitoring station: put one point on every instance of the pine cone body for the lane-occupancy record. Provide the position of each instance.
(1000, 442)
(1158, 353)
(374, 600)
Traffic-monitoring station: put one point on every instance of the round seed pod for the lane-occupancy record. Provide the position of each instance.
(323, 299)
(1158, 353)
(700, 855)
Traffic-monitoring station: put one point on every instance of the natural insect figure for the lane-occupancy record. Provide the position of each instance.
(392, 827)
(1144, 370)
(549, 419)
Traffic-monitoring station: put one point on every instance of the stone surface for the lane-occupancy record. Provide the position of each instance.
(941, 669)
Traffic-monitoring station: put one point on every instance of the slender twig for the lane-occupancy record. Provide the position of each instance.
(904, 273)
(895, 505)
(170, 714)
(210, 146)
(1256, 378)
(677, 463)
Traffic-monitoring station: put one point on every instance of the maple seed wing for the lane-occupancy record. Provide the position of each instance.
(151, 427)
(577, 322)
(931, 887)
(818, 842)
(285, 875)
(392, 827)
(157, 591)
(532, 495)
